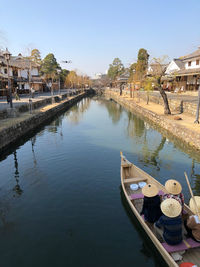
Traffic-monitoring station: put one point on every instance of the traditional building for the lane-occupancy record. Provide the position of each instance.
(23, 74)
(189, 76)
(175, 65)
(185, 71)
(156, 68)
(122, 80)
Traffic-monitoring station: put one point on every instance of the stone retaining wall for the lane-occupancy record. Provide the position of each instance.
(13, 133)
(176, 105)
(181, 133)
(43, 102)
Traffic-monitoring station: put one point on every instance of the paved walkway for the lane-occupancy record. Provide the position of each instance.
(186, 96)
(186, 120)
(24, 99)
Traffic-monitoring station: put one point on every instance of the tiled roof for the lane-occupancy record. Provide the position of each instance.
(192, 55)
(157, 68)
(184, 72)
(179, 63)
(18, 62)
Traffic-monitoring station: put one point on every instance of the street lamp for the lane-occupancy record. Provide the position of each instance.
(7, 56)
(59, 71)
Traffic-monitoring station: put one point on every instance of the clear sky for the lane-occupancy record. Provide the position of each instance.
(92, 33)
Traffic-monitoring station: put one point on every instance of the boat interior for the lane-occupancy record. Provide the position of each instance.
(133, 175)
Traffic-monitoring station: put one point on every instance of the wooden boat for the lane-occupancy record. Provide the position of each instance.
(130, 174)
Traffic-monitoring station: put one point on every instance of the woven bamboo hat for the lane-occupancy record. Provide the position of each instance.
(171, 207)
(173, 187)
(192, 204)
(150, 190)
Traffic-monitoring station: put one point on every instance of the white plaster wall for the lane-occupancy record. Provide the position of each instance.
(149, 70)
(193, 65)
(34, 71)
(191, 80)
(10, 72)
(172, 67)
(2, 70)
(24, 73)
(26, 86)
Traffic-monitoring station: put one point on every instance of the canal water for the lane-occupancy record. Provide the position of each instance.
(61, 202)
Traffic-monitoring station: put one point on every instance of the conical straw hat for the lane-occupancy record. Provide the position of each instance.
(171, 207)
(173, 187)
(150, 190)
(192, 204)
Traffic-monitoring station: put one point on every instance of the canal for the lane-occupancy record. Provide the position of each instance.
(61, 202)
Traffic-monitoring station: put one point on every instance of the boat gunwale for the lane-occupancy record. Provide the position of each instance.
(166, 256)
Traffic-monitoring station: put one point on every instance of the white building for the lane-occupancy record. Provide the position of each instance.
(22, 72)
(175, 65)
(189, 76)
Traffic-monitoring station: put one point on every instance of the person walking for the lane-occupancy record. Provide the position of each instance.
(32, 92)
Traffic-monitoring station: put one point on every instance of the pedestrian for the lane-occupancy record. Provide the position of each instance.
(120, 89)
(32, 92)
(192, 224)
(151, 204)
(16, 94)
(169, 226)
(8, 98)
(174, 189)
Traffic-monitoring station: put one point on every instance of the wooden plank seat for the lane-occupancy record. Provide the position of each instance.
(140, 195)
(126, 165)
(134, 180)
(184, 245)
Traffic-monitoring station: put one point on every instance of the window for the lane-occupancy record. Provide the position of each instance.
(197, 62)
(189, 63)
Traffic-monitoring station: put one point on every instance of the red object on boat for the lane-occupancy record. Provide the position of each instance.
(187, 264)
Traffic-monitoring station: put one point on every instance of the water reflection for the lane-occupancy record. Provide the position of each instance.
(33, 141)
(75, 114)
(150, 156)
(138, 129)
(135, 127)
(195, 179)
(17, 187)
(54, 125)
(114, 110)
(54, 189)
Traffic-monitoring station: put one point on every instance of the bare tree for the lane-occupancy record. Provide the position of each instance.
(157, 71)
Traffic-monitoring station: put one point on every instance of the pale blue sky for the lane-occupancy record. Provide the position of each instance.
(93, 33)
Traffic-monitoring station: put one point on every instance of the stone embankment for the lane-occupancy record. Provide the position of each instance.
(13, 129)
(179, 103)
(34, 104)
(184, 135)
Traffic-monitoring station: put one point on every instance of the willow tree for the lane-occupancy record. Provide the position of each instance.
(147, 84)
(158, 68)
(71, 79)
